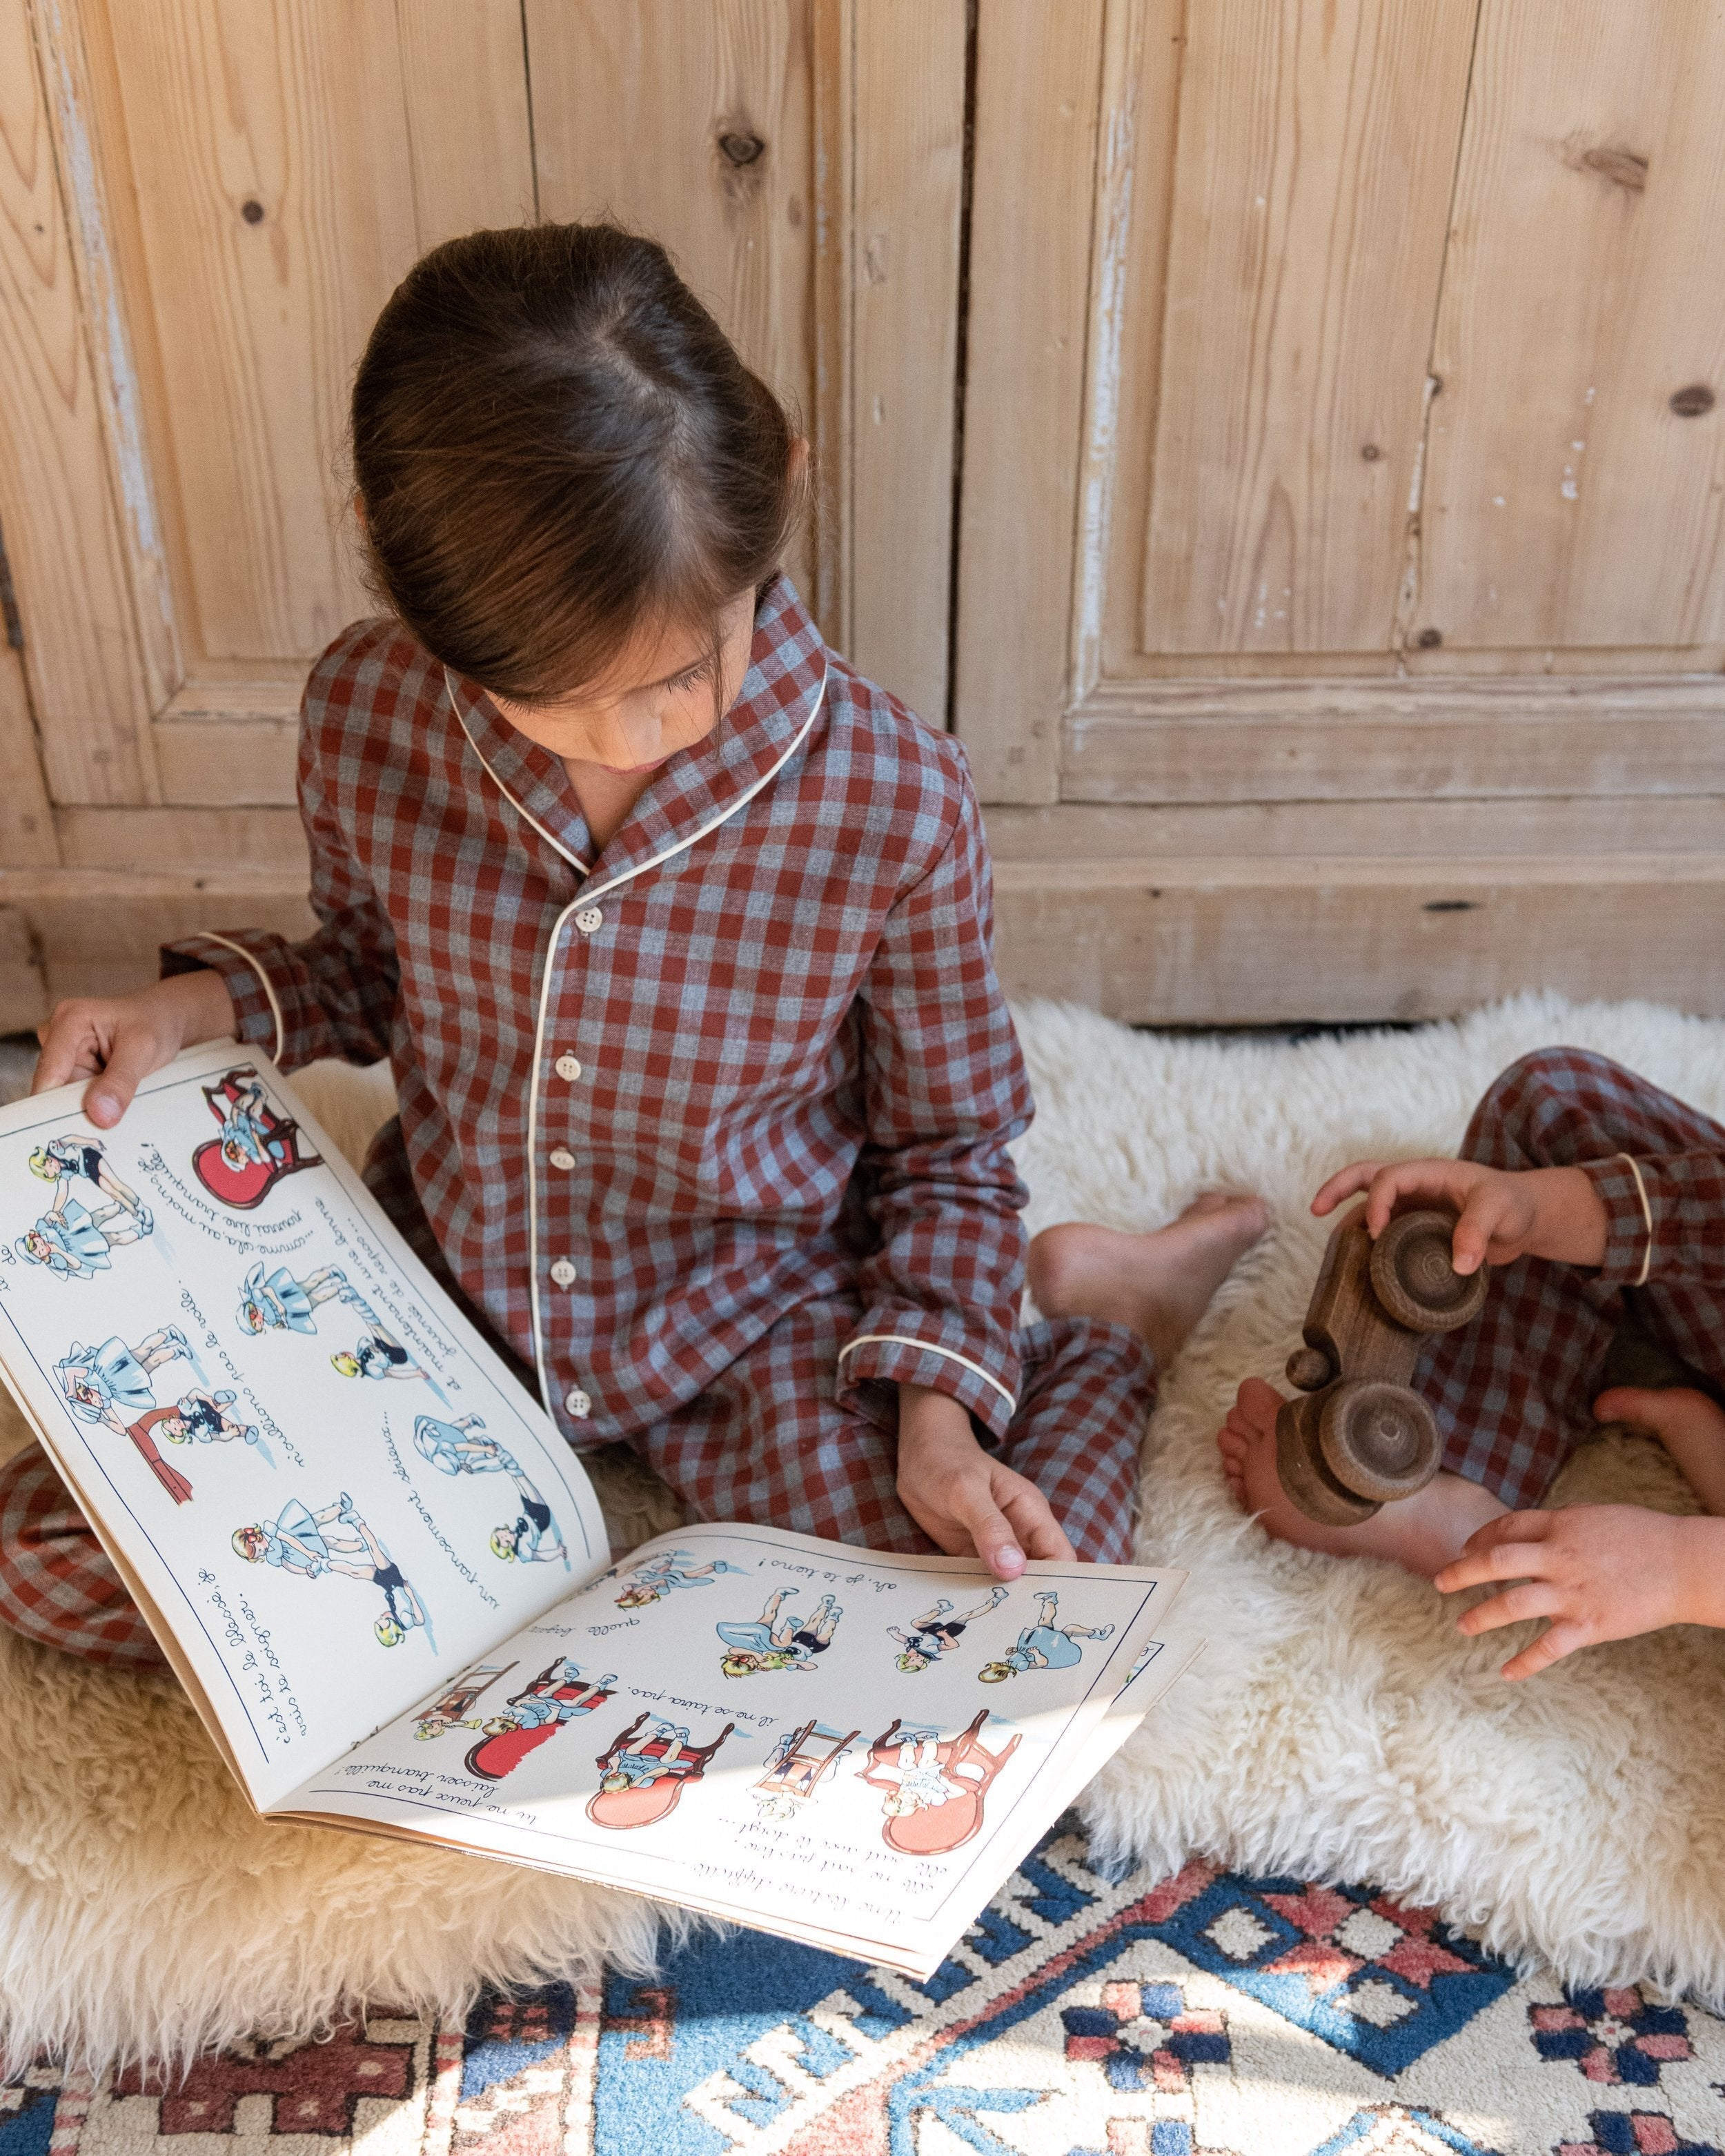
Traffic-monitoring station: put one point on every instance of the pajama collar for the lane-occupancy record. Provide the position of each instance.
(700, 787)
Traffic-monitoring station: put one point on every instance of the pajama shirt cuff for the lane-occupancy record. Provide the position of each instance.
(257, 1014)
(1623, 1188)
(907, 1355)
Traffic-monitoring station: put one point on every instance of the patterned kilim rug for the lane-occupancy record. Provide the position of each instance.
(1207, 2015)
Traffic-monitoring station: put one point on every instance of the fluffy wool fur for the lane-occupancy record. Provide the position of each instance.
(1338, 1725)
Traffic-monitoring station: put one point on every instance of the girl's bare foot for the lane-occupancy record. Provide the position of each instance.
(1686, 1422)
(1159, 1284)
(1424, 1532)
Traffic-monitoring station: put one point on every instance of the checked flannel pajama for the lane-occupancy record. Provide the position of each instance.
(1513, 1392)
(709, 1126)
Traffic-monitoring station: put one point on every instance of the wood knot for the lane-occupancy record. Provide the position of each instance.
(1624, 168)
(1429, 638)
(740, 150)
(1690, 401)
(252, 211)
(1371, 453)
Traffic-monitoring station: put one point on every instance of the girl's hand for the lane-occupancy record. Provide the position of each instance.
(1598, 1572)
(968, 1503)
(1504, 1215)
(119, 1040)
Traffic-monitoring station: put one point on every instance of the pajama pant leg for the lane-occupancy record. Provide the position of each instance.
(768, 1441)
(1513, 1392)
(58, 1584)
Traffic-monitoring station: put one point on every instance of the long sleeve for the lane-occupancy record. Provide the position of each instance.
(1678, 1236)
(333, 994)
(944, 1090)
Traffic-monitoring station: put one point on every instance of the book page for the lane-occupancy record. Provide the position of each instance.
(324, 1484)
(825, 1741)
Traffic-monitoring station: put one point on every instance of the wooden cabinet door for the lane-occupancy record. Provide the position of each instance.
(203, 205)
(1342, 576)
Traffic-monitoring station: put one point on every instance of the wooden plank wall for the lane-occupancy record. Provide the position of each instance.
(203, 205)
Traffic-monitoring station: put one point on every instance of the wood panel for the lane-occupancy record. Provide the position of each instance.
(1035, 151)
(1569, 504)
(1317, 152)
(214, 839)
(1412, 739)
(908, 131)
(632, 101)
(27, 833)
(291, 162)
(58, 511)
(1212, 941)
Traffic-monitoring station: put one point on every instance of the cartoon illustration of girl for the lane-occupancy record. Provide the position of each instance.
(672, 1569)
(935, 1786)
(256, 1147)
(766, 1644)
(379, 1354)
(937, 1633)
(799, 1761)
(282, 1303)
(73, 1242)
(1043, 1645)
(63, 1159)
(641, 1777)
(462, 1448)
(560, 1693)
(453, 1710)
(308, 1543)
(111, 1384)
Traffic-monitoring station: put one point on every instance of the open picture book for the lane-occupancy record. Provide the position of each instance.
(383, 1576)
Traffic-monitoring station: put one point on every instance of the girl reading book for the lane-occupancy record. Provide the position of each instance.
(676, 932)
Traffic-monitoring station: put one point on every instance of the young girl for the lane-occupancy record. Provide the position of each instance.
(676, 934)
(1602, 1201)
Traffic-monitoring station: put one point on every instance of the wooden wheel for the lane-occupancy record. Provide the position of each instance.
(1412, 1278)
(1305, 1477)
(1379, 1440)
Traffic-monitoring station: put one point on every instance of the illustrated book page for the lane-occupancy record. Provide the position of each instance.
(326, 1490)
(842, 1745)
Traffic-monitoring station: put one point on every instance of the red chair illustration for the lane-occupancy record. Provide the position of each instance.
(803, 1758)
(257, 1147)
(935, 1786)
(647, 1780)
(534, 1717)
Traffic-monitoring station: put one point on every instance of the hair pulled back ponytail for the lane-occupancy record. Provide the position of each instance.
(556, 446)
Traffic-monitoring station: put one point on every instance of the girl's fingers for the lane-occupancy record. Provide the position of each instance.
(1550, 1646)
(1514, 1606)
(132, 1057)
(1483, 1567)
(1029, 1514)
(1531, 1526)
(1483, 1214)
(1407, 1179)
(68, 1052)
(1346, 1183)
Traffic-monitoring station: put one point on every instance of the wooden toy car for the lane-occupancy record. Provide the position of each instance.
(1358, 1437)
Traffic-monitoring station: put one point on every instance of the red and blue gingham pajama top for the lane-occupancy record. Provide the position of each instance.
(711, 1126)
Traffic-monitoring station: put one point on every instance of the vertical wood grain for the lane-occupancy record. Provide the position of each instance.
(276, 201)
(26, 832)
(1038, 78)
(1317, 152)
(631, 99)
(465, 87)
(910, 178)
(1567, 505)
(57, 507)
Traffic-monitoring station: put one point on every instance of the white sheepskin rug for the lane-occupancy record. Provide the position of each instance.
(1336, 1726)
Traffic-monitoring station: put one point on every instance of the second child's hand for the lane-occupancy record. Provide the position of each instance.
(965, 1500)
(1552, 1213)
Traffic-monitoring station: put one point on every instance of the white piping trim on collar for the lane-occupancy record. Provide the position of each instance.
(1641, 1278)
(930, 1348)
(556, 844)
(583, 899)
(209, 936)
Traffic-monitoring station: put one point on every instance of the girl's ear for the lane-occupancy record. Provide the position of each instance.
(799, 460)
(359, 508)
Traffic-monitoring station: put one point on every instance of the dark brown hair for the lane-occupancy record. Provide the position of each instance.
(557, 445)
